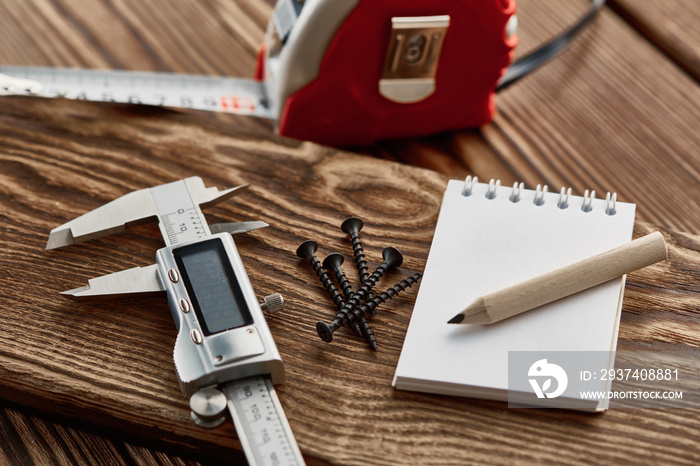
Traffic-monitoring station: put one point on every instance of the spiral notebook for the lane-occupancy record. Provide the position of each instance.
(489, 237)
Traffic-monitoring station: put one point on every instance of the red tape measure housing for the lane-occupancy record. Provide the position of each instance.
(343, 106)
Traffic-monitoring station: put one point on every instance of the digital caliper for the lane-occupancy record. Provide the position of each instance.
(224, 352)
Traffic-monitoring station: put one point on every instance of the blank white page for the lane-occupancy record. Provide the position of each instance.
(482, 245)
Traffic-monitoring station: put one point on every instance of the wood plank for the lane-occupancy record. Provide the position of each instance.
(29, 439)
(156, 35)
(610, 114)
(672, 25)
(214, 37)
(108, 364)
(217, 37)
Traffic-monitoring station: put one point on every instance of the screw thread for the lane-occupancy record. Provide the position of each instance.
(369, 336)
(349, 312)
(337, 323)
(353, 317)
(327, 282)
(371, 305)
(372, 280)
(359, 253)
(343, 282)
(352, 312)
(348, 293)
(346, 314)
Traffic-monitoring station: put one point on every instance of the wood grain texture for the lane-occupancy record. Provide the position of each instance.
(673, 26)
(612, 113)
(218, 37)
(109, 364)
(29, 439)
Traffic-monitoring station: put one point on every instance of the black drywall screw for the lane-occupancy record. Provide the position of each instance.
(307, 250)
(392, 259)
(371, 305)
(350, 311)
(333, 262)
(352, 226)
(325, 331)
(343, 311)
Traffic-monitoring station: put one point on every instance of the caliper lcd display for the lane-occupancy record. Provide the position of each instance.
(212, 285)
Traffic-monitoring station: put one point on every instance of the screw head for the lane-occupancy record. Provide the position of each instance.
(324, 331)
(392, 257)
(333, 261)
(351, 225)
(307, 249)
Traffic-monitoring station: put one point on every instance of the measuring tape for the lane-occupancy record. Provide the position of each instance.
(212, 93)
(224, 353)
(343, 72)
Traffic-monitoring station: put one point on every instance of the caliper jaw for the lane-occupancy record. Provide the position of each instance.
(133, 208)
(236, 227)
(202, 359)
(139, 280)
(144, 281)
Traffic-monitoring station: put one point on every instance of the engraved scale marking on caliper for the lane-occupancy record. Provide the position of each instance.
(135, 208)
(180, 217)
(260, 422)
(223, 337)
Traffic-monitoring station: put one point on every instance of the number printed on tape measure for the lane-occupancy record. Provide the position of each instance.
(211, 93)
(210, 103)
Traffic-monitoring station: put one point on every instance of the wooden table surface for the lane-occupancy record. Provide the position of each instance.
(93, 383)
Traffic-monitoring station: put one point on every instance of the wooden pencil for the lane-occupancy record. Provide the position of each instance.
(563, 282)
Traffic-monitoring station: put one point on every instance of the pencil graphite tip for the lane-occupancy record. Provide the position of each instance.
(456, 319)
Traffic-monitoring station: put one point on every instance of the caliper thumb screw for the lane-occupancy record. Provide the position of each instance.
(208, 407)
(272, 303)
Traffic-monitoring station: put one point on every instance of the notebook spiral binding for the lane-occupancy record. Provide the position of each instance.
(564, 195)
